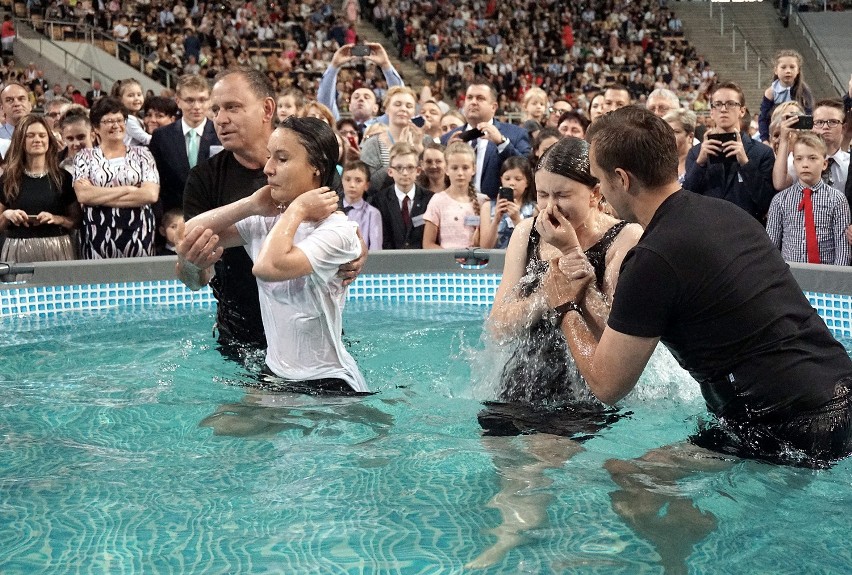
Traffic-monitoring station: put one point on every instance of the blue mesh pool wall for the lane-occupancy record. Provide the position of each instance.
(406, 275)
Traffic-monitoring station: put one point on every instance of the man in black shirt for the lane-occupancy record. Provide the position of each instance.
(243, 106)
(706, 281)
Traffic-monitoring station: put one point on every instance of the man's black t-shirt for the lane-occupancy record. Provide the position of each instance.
(706, 279)
(219, 181)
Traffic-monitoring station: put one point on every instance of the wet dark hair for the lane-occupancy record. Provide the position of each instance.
(569, 157)
(104, 106)
(320, 143)
(635, 140)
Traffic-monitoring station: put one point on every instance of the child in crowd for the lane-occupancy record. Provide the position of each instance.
(76, 130)
(171, 230)
(356, 180)
(452, 218)
(515, 201)
(788, 84)
(402, 204)
(433, 168)
(535, 105)
(129, 92)
(807, 221)
(297, 239)
(291, 102)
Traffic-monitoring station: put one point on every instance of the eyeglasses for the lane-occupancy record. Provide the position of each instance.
(114, 121)
(725, 105)
(54, 114)
(833, 123)
(404, 169)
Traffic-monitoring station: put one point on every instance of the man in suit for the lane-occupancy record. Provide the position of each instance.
(401, 230)
(735, 168)
(498, 141)
(95, 93)
(182, 145)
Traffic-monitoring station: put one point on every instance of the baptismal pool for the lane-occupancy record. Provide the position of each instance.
(130, 446)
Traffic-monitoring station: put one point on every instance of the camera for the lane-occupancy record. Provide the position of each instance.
(471, 134)
(804, 123)
(418, 121)
(360, 50)
(506, 194)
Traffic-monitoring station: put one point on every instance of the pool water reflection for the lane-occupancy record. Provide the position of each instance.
(112, 461)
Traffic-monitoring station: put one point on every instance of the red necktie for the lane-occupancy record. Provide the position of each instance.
(811, 242)
(406, 214)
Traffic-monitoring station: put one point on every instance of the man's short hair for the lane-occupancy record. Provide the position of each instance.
(731, 86)
(635, 140)
(667, 94)
(480, 81)
(192, 82)
(403, 149)
(259, 84)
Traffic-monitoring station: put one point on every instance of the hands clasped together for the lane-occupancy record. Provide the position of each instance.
(569, 275)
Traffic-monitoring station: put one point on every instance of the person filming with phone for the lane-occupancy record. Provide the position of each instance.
(493, 141)
(362, 102)
(728, 164)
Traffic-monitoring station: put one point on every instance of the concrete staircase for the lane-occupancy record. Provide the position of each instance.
(758, 24)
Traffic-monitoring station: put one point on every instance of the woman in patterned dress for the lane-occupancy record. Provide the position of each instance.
(117, 185)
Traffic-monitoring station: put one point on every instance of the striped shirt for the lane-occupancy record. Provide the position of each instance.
(786, 224)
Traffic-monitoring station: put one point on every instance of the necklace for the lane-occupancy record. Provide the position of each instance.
(35, 174)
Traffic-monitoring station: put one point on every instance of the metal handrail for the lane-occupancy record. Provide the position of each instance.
(829, 70)
(67, 56)
(90, 33)
(734, 30)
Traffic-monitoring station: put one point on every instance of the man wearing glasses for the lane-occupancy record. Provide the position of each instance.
(53, 111)
(728, 164)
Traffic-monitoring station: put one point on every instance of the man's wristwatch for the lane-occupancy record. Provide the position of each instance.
(564, 308)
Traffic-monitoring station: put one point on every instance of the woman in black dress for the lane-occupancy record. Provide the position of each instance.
(542, 395)
(38, 208)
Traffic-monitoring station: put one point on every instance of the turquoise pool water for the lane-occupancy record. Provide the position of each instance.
(116, 458)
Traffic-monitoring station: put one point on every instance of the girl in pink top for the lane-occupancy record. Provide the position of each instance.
(452, 216)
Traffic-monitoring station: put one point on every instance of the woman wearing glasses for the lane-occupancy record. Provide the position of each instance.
(117, 185)
(38, 209)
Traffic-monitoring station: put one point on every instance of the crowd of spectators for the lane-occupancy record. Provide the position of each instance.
(570, 50)
(292, 42)
(559, 73)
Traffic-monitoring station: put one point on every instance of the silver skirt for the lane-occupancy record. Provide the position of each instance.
(26, 250)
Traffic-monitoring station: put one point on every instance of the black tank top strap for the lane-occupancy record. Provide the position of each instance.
(596, 254)
(534, 245)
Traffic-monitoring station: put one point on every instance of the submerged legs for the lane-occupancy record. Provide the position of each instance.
(651, 504)
(522, 507)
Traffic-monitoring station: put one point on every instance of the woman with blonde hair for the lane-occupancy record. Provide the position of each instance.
(683, 123)
(400, 105)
